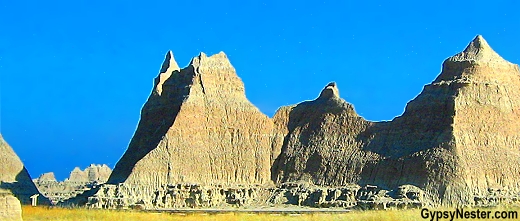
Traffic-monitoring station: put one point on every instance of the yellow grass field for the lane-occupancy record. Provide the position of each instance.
(64, 214)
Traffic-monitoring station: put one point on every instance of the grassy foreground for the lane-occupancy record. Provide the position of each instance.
(63, 214)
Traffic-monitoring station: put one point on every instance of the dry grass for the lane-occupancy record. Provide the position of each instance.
(63, 214)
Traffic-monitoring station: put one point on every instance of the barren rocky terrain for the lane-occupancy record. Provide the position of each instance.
(200, 143)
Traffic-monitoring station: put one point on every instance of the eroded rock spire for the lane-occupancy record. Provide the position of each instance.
(478, 51)
(330, 91)
(168, 67)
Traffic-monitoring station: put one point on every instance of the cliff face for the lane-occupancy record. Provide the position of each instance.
(455, 144)
(322, 144)
(487, 120)
(14, 177)
(198, 127)
(456, 140)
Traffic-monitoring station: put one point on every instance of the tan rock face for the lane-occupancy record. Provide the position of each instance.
(93, 173)
(98, 173)
(78, 175)
(322, 145)
(455, 144)
(10, 208)
(46, 177)
(14, 177)
(198, 127)
(456, 140)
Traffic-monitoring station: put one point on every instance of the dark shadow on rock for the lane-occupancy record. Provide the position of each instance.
(80, 199)
(23, 188)
(311, 114)
(157, 117)
(405, 147)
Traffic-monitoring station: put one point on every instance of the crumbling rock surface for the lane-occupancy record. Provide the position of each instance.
(455, 144)
(185, 195)
(10, 208)
(14, 178)
(198, 127)
(455, 140)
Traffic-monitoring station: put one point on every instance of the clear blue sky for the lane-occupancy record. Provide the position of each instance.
(75, 74)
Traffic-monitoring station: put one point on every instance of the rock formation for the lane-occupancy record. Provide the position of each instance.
(198, 127)
(46, 177)
(456, 140)
(78, 182)
(93, 173)
(10, 208)
(14, 177)
(201, 143)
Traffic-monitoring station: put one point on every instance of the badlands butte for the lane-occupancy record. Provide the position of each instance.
(201, 143)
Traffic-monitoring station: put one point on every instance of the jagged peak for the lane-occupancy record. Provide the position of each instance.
(478, 50)
(330, 91)
(169, 63)
(219, 60)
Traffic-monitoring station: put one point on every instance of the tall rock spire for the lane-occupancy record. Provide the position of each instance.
(168, 67)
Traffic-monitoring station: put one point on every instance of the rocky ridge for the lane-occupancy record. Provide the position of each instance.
(201, 143)
(466, 118)
(78, 182)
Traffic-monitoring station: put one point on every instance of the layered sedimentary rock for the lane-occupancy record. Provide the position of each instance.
(201, 143)
(198, 127)
(456, 140)
(14, 177)
(185, 195)
(78, 182)
(10, 208)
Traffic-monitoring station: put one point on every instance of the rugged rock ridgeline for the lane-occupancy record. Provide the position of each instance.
(78, 182)
(200, 142)
(14, 178)
(197, 127)
(457, 140)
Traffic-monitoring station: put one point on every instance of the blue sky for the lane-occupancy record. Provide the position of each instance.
(75, 74)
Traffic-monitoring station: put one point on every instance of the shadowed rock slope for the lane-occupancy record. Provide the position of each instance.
(14, 178)
(457, 140)
(198, 127)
